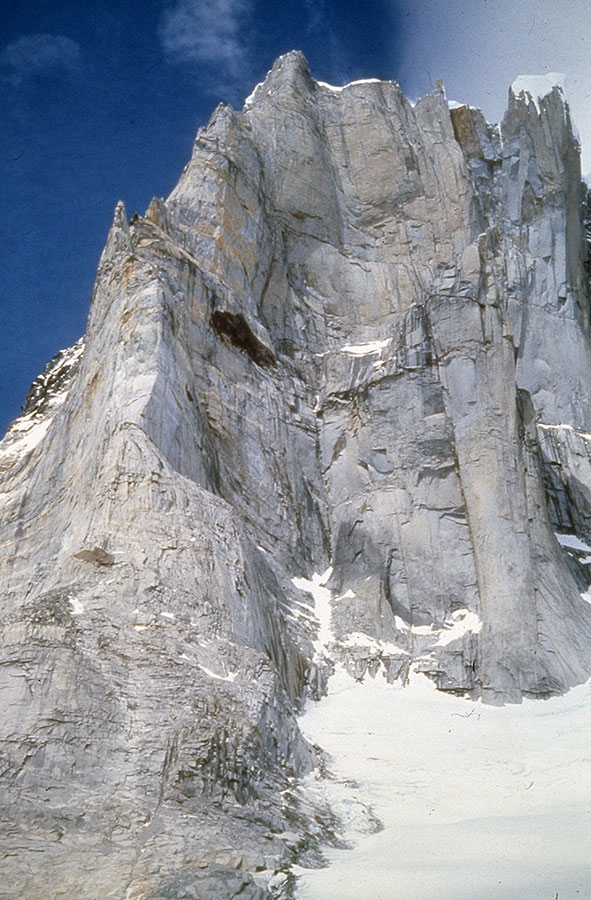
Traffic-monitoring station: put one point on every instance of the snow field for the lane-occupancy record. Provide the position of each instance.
(476, 802)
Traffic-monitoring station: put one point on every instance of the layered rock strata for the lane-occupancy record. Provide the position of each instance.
(356, 335)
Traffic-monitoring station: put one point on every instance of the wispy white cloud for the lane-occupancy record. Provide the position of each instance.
(34, 54)
(208, 32)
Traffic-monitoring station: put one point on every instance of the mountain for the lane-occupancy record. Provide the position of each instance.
(332, 408)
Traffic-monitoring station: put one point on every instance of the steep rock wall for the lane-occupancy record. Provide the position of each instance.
(355, 335)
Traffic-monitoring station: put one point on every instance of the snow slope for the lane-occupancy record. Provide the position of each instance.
(477, 802)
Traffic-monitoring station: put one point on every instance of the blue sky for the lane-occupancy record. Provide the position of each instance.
(101, 101)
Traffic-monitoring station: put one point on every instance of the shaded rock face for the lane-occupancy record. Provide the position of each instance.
(355, 335)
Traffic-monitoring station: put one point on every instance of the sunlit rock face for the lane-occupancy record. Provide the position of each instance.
(354, 336)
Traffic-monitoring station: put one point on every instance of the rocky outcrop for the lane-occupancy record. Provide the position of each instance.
(356, 336)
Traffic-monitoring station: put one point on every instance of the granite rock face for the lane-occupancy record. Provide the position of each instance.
(354, 340)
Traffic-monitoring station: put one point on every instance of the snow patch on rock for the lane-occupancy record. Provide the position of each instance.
(370, 348)
(336, 89)
(230, 677)
(23, 436)
(572, 542)
(322, 596)
(463, 621)
(77, 606)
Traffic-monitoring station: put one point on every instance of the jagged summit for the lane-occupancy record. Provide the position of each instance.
(536, 87)
(293, 68)
(354, 340)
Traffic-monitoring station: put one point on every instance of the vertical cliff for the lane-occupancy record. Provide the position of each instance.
(356, 336)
